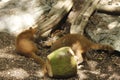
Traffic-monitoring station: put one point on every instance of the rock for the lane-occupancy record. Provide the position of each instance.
(107, 30)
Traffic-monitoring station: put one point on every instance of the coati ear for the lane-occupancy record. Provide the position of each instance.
(33, 30)
(30, 28)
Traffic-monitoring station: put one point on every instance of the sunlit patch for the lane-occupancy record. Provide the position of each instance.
(8, 56)
(92, 65)
(116, 44)
(39, 73)
(7, 52)
(67, 3)
(98, 30)
(19, 22)
(17, 73)
(16, 16)
(5, 0)
(58, 5)
(103, 75)
(82, 75)
(96, 72)
(113, 24)
(115, 76)
(63, 4)
(16, 23)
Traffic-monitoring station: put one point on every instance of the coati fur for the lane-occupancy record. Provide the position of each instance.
(26, 46)
(79, 45)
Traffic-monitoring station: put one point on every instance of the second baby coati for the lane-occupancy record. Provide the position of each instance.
(79, 45)
(26, 46)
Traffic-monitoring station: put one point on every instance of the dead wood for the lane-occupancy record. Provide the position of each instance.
(81, 20)
(58, 11)
(113, 8)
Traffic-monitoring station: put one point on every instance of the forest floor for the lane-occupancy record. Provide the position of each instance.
(16, 67)
(101, 66)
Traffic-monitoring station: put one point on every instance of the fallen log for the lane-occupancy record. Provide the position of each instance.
(81, 20)
(58, 11)
(113, 8)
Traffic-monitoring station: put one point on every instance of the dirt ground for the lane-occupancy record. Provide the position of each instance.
(100, 66)
(13, 66)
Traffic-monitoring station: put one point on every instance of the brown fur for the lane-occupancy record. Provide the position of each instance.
(25, 45)
(79, 44)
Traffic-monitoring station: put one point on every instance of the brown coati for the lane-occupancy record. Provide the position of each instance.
(79, 45)
(26, 46)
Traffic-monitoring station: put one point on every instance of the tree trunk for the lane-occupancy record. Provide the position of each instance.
(58, 11)
(81, 20)
(107, 7)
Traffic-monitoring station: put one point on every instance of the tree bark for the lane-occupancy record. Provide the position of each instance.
(112, 8)
(58, 11)
(81, 20)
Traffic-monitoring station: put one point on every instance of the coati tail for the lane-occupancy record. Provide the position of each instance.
(37, 59)
(40, 61)
(102, 47)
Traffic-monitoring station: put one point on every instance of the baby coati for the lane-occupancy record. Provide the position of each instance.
(79, 45)
(25, 46)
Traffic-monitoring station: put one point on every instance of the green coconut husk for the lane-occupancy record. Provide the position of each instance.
(61, 63)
